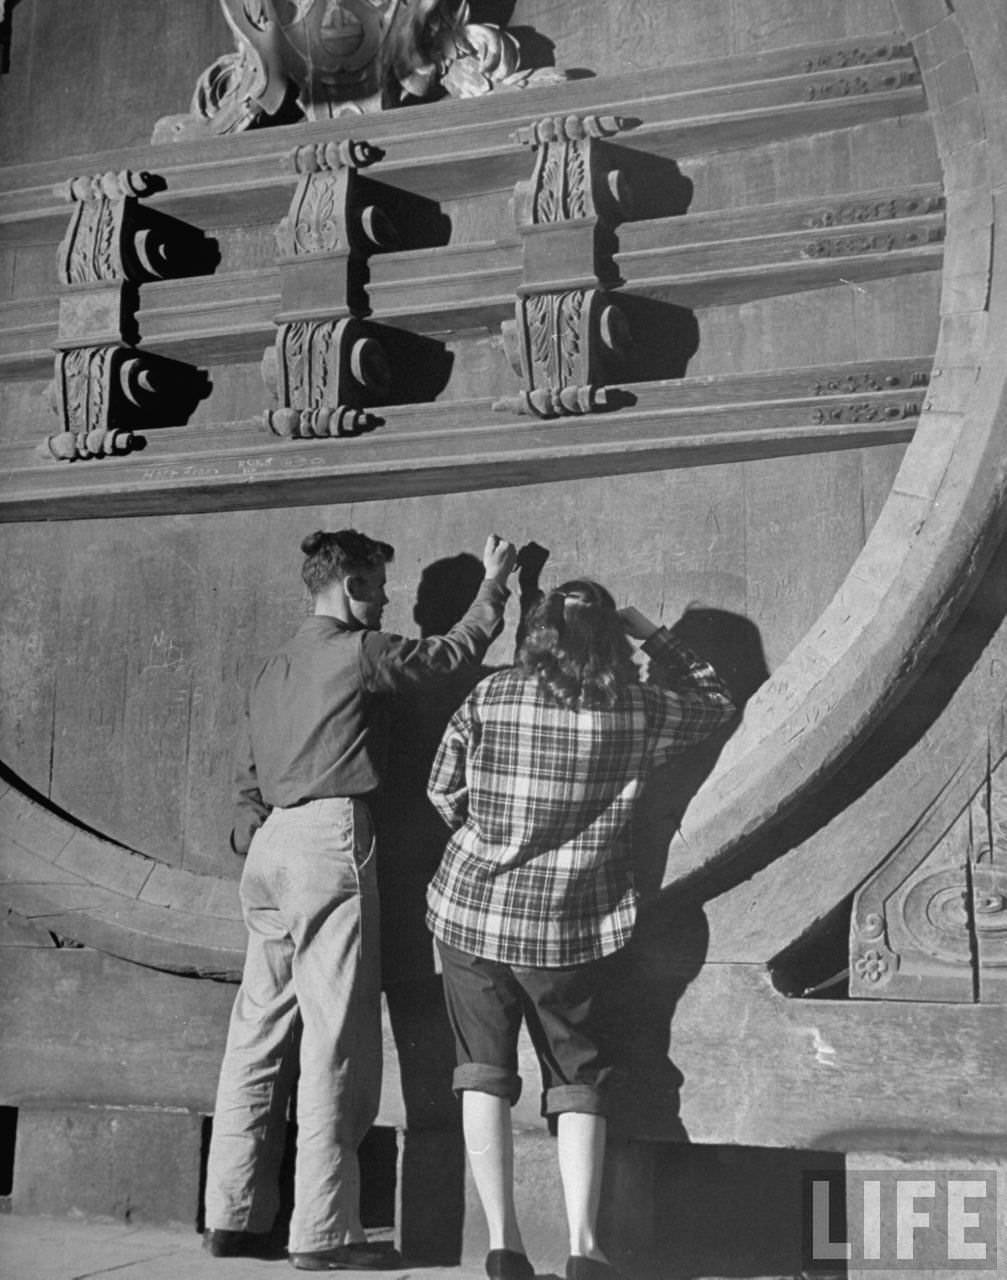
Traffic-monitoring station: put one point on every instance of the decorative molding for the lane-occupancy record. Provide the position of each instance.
(931, 923)
(70, 446)
(880, 242)
(560, 344)
(858, 56)
(570, 128)
(572, 179)
(877, 210)
(326, 212)
(850, 86)
(348, 153)
(867, 411)
(104, 241)
(92, 389)
(870, 380)
(345, 57)
(101, 393)
(310, 424)
(321, 369)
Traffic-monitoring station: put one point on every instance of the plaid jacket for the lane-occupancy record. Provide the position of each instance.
(538, 870)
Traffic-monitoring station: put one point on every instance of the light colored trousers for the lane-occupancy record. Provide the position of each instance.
(309, 898)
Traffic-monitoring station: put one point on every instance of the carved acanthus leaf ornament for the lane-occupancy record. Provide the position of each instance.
(347, 56)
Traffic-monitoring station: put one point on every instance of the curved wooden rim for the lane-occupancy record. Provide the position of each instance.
(945, 513)
(946, 510)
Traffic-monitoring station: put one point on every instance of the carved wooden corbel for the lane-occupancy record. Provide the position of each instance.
(113, 245)
(564, 346)
(325, 373)
(567, 334)
(332, 220)
(103, 394)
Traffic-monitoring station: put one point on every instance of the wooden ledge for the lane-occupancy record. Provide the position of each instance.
(446, 447)
(453, 148)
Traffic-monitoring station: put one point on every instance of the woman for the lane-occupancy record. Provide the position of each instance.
(537, 775)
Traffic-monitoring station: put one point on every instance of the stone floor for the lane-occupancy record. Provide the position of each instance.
(36, 1248)
(63, 1249)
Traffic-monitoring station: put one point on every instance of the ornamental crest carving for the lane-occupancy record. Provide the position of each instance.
(346, 56)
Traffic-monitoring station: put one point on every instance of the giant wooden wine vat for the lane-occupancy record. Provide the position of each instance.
(714, 312)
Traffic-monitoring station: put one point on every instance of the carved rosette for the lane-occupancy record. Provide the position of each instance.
(931, 923)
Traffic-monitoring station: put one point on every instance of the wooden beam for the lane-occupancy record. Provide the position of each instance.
(451, 149)
(439, 448)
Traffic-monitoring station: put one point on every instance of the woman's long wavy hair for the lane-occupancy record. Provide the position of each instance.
(576, 646)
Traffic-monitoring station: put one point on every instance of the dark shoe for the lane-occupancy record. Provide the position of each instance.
(235, 1244)
(365, 1256)
(508, 1264)
(578, 1268)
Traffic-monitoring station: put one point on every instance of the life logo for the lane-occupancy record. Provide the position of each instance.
(863, 1220)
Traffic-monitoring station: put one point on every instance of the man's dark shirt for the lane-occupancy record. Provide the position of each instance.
(315, 722)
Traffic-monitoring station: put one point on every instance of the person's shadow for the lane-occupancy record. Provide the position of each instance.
(411, 838)
(671, 939)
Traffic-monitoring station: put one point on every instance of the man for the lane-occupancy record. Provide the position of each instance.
(310, 752)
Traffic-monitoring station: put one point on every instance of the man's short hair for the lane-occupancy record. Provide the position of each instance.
(331, 557)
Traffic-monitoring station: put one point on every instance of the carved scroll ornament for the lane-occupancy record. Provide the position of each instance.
(931, 923)
(346, 56)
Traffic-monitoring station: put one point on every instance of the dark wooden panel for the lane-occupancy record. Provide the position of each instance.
(104, 81)
(29, 652)
(637, 32)
(123, 685)
(803, 529)
(247, 598)
(868, 156)
(895, 317)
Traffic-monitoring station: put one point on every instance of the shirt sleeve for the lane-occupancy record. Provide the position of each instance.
(390, 664)
(448, 786)
(250, 810)
(695, 701)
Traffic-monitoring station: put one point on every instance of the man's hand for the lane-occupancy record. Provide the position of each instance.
(499, 558)
(636, 624)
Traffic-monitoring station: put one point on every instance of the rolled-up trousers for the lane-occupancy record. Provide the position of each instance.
(309, 898)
